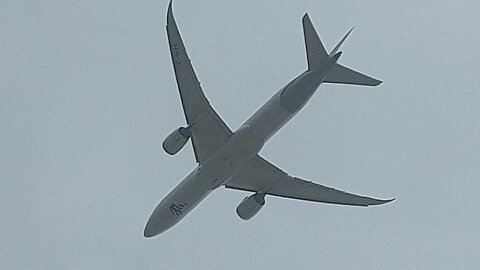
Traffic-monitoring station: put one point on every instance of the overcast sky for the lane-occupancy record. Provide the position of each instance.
(87, 94)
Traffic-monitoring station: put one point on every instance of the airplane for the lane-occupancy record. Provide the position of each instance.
(231, 159)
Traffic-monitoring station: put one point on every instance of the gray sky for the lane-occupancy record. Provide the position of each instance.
(87, 94)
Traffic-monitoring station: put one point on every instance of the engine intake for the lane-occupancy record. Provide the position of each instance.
(250, 206)
(176, 140)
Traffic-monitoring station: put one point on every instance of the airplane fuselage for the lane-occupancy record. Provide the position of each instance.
(245, 143)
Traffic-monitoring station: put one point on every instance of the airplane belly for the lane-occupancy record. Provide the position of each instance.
(287, 102)
(269, 118)
(222, 166)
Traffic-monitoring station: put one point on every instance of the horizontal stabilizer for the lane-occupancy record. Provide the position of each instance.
(343, 75)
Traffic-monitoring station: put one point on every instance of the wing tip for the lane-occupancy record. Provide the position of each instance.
(380, 202)
(169, 12)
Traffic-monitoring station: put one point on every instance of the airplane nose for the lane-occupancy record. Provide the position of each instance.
(152, 228)
(158, 222)
(148, 232)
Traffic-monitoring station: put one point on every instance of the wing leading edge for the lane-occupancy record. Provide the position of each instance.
(259, 175)
(209, 131)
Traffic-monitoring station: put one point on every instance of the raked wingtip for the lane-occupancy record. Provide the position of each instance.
(386, 201)
(169, 12)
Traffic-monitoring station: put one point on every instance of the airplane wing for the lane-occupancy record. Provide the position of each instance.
(209, 132)
(259, 175)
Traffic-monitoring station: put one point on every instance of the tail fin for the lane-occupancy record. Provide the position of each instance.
(316, 52)
(334, 51)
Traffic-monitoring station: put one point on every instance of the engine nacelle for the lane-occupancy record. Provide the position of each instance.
(250, 206)
(176, 140)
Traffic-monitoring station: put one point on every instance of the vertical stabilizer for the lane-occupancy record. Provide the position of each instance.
(316, 52)
(334, 51)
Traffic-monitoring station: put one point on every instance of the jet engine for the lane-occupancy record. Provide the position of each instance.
(250, 206)
(176, 140)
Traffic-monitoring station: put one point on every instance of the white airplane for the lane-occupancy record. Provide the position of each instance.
(231, 159)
